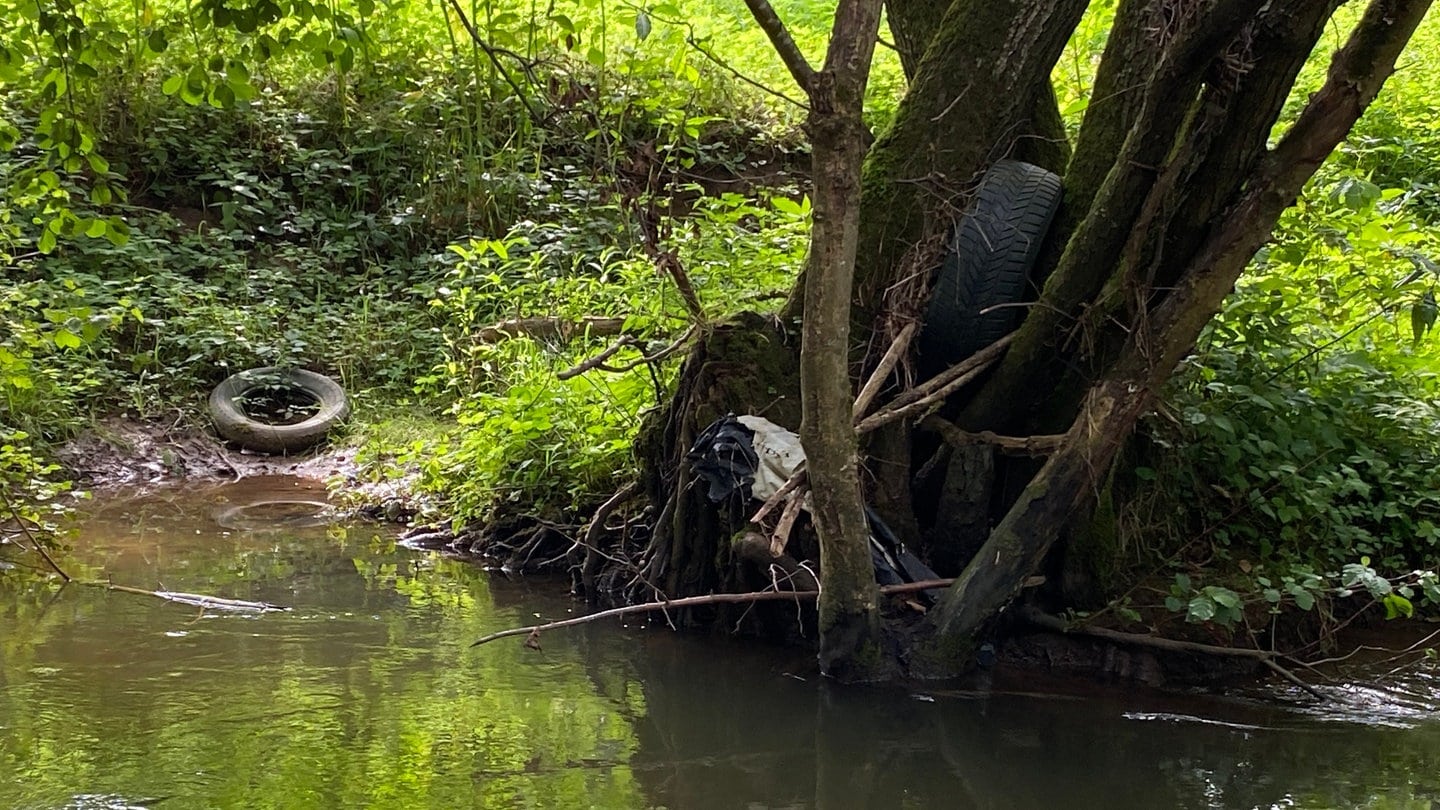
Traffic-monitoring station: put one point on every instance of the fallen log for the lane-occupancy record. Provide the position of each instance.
(552, 328)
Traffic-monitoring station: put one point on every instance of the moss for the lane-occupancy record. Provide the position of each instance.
(1092, 553)
(934, 655)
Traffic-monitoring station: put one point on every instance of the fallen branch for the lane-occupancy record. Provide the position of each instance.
(1055, 623)
(552, 328)
(598, 361)
(1014, 445)
(937, 388)
(194, 599)
(34, 541)
(533, 631)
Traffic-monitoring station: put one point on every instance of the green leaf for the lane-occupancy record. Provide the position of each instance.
(157, 42)
(642, 25)
(1223, 596)
(66, 339)
(1202, 609)
(1397, 605)
(1422, 316)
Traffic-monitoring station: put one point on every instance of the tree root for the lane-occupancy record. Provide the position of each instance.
(1056, 624)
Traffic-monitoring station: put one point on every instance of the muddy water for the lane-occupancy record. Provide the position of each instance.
(365, 694)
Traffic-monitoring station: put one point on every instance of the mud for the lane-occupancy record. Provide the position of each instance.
(119, 453)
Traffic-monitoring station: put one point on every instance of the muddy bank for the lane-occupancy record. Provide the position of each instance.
(127, 454)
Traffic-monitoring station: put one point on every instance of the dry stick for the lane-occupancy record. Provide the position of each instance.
(194, 599)
(598, 360)
(796, 480)
(882, 371)
(781, 537)
(936, 388)
(34, 541)
(1018, 445)
(691, 601)
(1059, 625)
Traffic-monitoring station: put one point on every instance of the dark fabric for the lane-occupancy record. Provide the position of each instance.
(724, 456)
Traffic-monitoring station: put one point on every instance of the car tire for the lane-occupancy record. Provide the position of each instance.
(987, 266)
(233, 423)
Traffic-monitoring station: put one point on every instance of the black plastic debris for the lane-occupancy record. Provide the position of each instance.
(725, 456)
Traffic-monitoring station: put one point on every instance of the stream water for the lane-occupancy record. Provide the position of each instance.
(366, 694)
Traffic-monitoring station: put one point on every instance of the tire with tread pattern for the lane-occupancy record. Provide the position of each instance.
(233, 423)
(987, 266)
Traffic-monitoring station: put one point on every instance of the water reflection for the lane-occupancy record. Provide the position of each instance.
(366, 694)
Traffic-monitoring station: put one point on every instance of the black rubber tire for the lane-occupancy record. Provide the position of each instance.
(232, 423)
(988, 264)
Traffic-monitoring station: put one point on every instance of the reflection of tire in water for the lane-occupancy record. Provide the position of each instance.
(276, 514)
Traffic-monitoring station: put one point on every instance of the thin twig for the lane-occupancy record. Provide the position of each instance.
(598, 360)
(34, 541)
(493, 52)
(693, 41)
(691, 601)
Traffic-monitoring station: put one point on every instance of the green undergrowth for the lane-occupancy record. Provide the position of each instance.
(1295, 462)
(194, 189)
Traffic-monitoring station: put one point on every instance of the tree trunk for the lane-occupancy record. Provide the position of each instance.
(849, 601)
(1113, 405)
(1171, 191)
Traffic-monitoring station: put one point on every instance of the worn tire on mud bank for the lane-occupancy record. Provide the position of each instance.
(233, 423)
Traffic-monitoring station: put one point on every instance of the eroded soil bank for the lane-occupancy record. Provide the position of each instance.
(137, 456)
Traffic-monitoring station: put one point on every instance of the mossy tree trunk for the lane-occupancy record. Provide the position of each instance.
(1170, 191)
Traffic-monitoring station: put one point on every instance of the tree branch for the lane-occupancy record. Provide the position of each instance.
(1014, 445)
(790, 54)
(534, 630)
